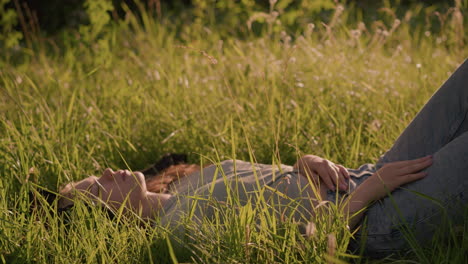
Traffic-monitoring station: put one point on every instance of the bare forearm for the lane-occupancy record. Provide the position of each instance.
(358, 201)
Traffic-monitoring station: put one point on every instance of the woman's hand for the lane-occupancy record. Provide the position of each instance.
(318, 168)
(395, 174)
(381, 183)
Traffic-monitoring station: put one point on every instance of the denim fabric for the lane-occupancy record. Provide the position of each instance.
(439, 129)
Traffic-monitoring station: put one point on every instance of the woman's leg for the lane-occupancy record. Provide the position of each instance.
(421, 206)
(443, 118)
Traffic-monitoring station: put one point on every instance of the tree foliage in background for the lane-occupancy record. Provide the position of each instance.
(92, 34)
(28, 20)
(9, 36)
(54, 15)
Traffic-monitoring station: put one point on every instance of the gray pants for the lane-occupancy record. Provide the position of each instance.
(412, 212)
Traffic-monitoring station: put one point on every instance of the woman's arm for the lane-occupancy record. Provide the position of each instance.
(318, 168)
(381, 184)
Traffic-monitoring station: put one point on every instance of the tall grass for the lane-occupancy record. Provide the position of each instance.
(343, 90)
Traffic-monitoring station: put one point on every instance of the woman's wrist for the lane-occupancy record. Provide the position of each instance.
(359, 200)
(374, 188)
(366, 193)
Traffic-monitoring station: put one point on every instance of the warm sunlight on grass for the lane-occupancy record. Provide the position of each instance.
(343, 90)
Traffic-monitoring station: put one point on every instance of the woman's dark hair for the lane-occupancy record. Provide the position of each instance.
(165, 162)
(161, 182)
(169, 169)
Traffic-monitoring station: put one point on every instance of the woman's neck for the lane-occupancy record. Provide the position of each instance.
(153, 203)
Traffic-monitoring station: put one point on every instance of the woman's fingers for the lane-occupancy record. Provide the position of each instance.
(329, 183)
(337, 178)
(326, 177)
(416, 165)
(342, 180)
(404, 179)
(343, 171)
(414, 177)
(332, 175)
(404, 163)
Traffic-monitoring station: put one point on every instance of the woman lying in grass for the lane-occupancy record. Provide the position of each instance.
(412, 187)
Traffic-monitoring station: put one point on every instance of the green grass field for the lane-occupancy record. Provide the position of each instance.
(133, 91)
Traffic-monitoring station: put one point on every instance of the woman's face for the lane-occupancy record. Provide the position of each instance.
(113, 188)
(121, 186)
